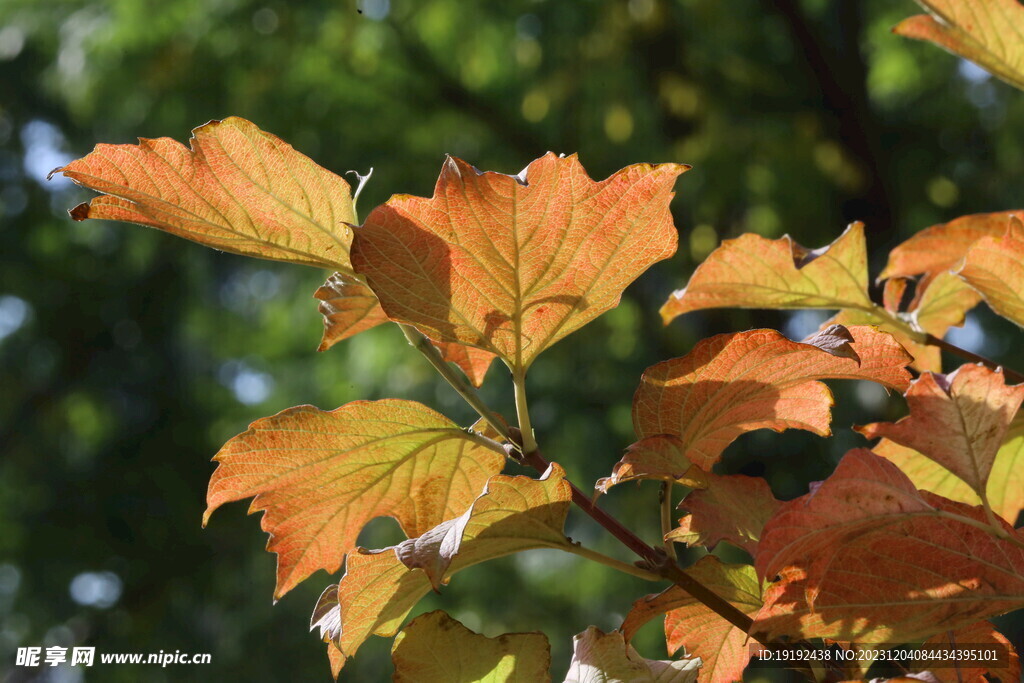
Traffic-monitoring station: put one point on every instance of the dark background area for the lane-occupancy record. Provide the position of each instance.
(128, 357)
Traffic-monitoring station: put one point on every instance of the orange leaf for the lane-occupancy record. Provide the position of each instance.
(979, 634)
(942, 246)
(472, 361)
(237, 189)
(866, 557)
(599, 657)
(987, 32)
(690, 625)
(511, 264)
(735, 383)
(348, 307)
(959, 421)
(1005, 482)
(995, 267)
(754, 272)
(655, 457)
(321, 476)
(732, 508)
(378, 589)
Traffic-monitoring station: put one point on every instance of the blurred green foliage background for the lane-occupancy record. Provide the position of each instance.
(128, 357)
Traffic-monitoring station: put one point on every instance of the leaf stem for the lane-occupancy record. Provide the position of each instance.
(523, 412)
(665, 499)
(619, 565)
(457, 381)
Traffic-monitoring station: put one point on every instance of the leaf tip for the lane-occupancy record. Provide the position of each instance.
(59, 169)
(80, 212)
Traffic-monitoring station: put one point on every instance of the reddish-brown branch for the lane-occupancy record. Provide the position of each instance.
(656, 560)
(973, 357)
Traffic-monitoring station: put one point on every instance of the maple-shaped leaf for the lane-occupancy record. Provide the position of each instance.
(995, 267)
(1005, 490)
(723, 648)
(435, 648)
(348, 307)
(958, 420)
(731, 508)
(735, 383)
(655, 457)
(511, 264)
(754, 272)
(599, 657)
(941, 300)
(981, 634)
(941, 247)
(380, 587)
(987, 32)
(237, 189)
(867, 557)
(320, 476)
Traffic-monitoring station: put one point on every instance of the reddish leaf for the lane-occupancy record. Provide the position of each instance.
(1005, 482)
(511, 264)
(434, 648)
(599, 657)
(472, 361)
(348, 307)
(995, 267)
(736, 383)
(979, 634)
(866, 557)
(321, 476)
(941, 247)
(723, 648)
(378, 590)
(237, 189)
(754, 272)
(656, 457)
(959, 421)
(986, 32)
(732, 508)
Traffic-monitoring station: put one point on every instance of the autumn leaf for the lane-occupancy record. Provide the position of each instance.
(723, 648)
(866, 557)
(599, 657)
(735, 383)
(981, 634)
(995, 267)
(987, 32)
(655, 457)
(1005, 489)
(511, 264)
(731, 508)
(237, 189)
(320, 476)
(753, 272)
(380, 587)
(960, 421)
(435, 648)
(941, 247)
(348, 307)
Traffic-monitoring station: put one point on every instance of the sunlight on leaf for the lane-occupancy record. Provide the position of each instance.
(435, 648)
(980, 634)
(599, 657)
(348, 307)
(320, 476)
(731, 508)
(238, 189)
(995, 267)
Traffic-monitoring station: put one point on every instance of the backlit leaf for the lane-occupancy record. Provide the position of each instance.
(731, 508)
(724, 649)
(511, 264)
(987, 32)
(980, 634)
(960, 421)
(735, 383)
(348, 307)
(237, 189)
(655, 457)
(472, 361)
(866, 557)
(378, 588)
(753, 272)
(941, 247)
(599, 657)
(434, 648)
(995, 267)
(320, 476)
(1005, 482)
